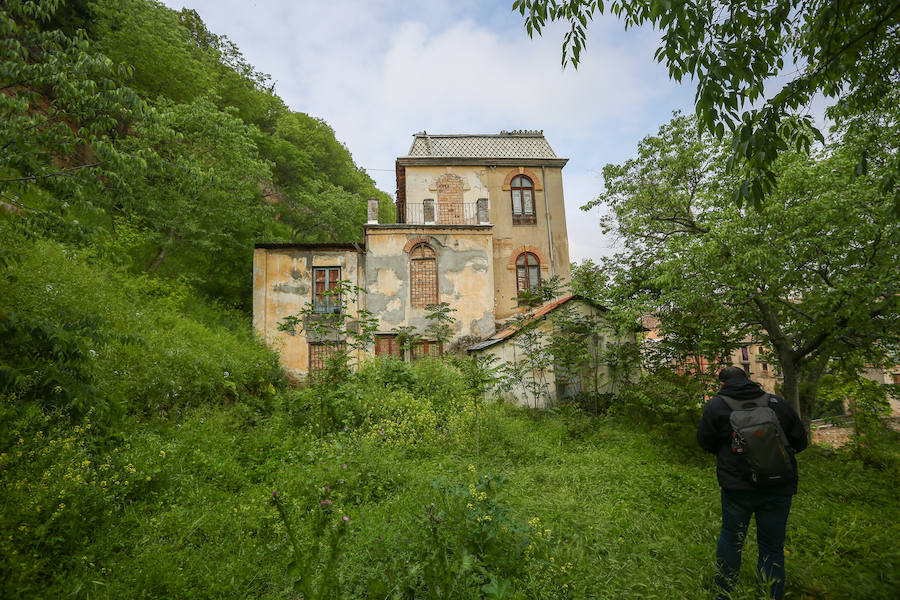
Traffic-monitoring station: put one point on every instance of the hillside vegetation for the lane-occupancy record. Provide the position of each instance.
(150, 446)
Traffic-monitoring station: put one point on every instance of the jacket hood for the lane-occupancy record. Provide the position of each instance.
(741, 389)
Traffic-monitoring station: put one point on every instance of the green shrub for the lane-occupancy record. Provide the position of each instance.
(80, 334)
(664, 396)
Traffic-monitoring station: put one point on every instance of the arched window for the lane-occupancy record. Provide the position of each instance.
(423, 275)
(521, 190)
(528, 272)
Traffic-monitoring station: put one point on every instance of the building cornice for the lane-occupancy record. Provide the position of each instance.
(424, 161)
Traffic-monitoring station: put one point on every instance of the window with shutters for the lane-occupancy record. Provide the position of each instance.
(424, 348)
(325, 280)
(388, 345)
(423, 276)
(319, 353)
(521, 190)
(528, 272)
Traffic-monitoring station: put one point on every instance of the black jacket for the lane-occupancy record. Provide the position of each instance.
(714, 435)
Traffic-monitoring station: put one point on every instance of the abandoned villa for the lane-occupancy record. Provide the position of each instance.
(480, 218)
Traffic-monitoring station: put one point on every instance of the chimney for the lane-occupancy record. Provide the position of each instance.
(373, 211)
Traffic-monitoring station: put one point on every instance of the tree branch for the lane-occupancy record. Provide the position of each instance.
(61, 173)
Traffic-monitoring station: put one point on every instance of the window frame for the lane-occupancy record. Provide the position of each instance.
(329, 303)
(523, 217)
(426, 348)
(527, 269)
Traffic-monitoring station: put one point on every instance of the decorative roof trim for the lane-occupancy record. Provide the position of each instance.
(424, 161)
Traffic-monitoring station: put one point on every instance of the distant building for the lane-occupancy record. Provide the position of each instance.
(752, 356)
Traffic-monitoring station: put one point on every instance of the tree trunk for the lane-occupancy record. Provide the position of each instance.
(791, 387)
(161, 255)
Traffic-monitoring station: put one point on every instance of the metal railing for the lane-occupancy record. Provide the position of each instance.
(449, 213)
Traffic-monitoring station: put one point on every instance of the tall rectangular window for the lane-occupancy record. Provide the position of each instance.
(423, 276)
(522, 194)
(325, 279)
(745, 353)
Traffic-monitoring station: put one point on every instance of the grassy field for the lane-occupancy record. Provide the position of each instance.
(556, 506)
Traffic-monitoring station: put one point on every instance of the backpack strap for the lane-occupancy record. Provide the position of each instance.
(735, 404)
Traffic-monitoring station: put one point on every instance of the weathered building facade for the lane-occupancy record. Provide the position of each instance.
(480, 218)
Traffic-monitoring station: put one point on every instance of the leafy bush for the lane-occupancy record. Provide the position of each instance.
(664, 397)
(81, 335)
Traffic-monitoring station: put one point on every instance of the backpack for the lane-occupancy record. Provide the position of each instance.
(756, 434)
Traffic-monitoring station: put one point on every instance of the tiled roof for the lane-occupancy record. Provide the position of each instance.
(506, 144)
(540, 312)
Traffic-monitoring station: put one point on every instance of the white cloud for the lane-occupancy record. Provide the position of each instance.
(378, 72)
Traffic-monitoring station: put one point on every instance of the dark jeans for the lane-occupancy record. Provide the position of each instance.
(771, 512)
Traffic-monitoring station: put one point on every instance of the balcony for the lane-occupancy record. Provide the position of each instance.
(429, 212)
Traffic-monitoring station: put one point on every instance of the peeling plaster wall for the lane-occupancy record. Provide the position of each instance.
(465, 277)
(508, 239)
(282, 285)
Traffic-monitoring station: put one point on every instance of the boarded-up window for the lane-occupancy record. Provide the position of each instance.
(425, 348)
(326, 280)
(319, 353)
(528, 272)
(521, 190)
(423, 276)
(388, 345)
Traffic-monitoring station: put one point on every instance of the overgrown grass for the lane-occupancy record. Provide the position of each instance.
(182, 508)
(143, 431)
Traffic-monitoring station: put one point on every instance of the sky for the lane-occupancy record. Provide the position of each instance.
(378, 71)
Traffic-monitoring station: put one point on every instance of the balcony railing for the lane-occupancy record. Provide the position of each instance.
(446, 213)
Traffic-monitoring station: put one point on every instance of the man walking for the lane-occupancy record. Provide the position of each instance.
(748, 485)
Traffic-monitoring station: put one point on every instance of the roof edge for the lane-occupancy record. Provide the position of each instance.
(468, 160)
(354, 246)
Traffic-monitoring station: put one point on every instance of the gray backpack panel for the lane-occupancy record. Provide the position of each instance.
(758, 436)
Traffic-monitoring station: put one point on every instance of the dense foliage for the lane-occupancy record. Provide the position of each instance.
(758, 65)
(392, 502)
(811, 272)
(157, 141)
(149, 444)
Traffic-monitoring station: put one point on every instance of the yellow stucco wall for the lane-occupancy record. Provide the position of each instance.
(282, 286)
(508, 240)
